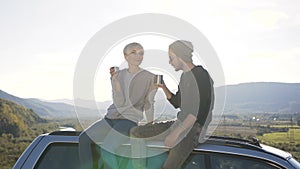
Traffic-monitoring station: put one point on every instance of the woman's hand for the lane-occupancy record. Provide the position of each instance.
(112, 71)
(114, 77)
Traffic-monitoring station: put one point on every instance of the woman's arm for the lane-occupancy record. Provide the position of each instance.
(149, 102)
(117, 94)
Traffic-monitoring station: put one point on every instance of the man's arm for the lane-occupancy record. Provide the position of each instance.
(175, 100)
(167, 92)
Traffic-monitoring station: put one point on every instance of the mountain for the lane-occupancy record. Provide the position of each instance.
(48, 109)
(263, 97)
(16, 119)
(245, 97)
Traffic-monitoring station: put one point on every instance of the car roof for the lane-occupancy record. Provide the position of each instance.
(212, 143)
(276, 151)
(236, 144)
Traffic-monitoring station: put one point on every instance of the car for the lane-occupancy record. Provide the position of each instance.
(59, 150)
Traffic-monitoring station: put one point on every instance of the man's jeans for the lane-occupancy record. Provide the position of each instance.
(187, 141)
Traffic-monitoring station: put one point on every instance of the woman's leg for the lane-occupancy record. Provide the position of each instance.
(114, 139)
(95, 133)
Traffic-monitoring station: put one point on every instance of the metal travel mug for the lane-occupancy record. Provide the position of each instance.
(158, 79)
(115, 68)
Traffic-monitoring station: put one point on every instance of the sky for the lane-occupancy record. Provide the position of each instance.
(41, 41)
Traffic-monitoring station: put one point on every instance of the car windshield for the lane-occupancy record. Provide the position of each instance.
(294, 163)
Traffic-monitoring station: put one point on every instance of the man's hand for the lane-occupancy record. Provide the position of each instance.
(165, 89)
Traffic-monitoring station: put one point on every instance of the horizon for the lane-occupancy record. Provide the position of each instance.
(256, 41)
(71, 99)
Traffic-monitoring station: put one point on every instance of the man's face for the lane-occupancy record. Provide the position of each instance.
(135, 56)
(175, 61)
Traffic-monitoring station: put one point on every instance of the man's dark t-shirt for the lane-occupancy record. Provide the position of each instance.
(194, 94)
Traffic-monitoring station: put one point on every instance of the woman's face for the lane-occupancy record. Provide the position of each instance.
(135, 56)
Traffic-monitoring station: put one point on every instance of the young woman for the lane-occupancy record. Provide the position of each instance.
(133, 94)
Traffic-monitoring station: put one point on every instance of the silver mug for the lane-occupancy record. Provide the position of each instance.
(115, 68)
(158, 79)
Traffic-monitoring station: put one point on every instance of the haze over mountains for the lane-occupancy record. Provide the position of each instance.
(263, 97)
(246, 97)
(48, 109)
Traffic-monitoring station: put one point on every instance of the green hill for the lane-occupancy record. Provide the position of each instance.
(16, 119)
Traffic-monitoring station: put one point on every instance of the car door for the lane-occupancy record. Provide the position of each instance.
(204, 160)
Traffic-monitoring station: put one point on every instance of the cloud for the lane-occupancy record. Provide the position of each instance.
(269, 19)
(295, 20)
(291, 53)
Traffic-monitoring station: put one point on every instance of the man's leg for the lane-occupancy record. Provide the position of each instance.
(182, 150)
(139, 136)
(151, 130)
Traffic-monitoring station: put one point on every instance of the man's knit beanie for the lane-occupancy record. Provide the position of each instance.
(182, 49)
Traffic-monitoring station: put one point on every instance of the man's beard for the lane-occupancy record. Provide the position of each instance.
(179, 67)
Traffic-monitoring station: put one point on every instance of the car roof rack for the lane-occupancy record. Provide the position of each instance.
(65, 133)
(235, 142)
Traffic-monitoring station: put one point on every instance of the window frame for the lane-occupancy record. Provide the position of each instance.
(208, 158)
(48, 148)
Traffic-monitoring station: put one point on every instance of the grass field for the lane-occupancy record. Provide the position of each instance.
(240, 131)
(288, 141)
(290, 137)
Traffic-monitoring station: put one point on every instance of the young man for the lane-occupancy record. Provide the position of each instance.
(133, 92)
(194, 98)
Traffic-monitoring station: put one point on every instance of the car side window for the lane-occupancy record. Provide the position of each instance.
(222, 161)
(195, 161)
(59, 156)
